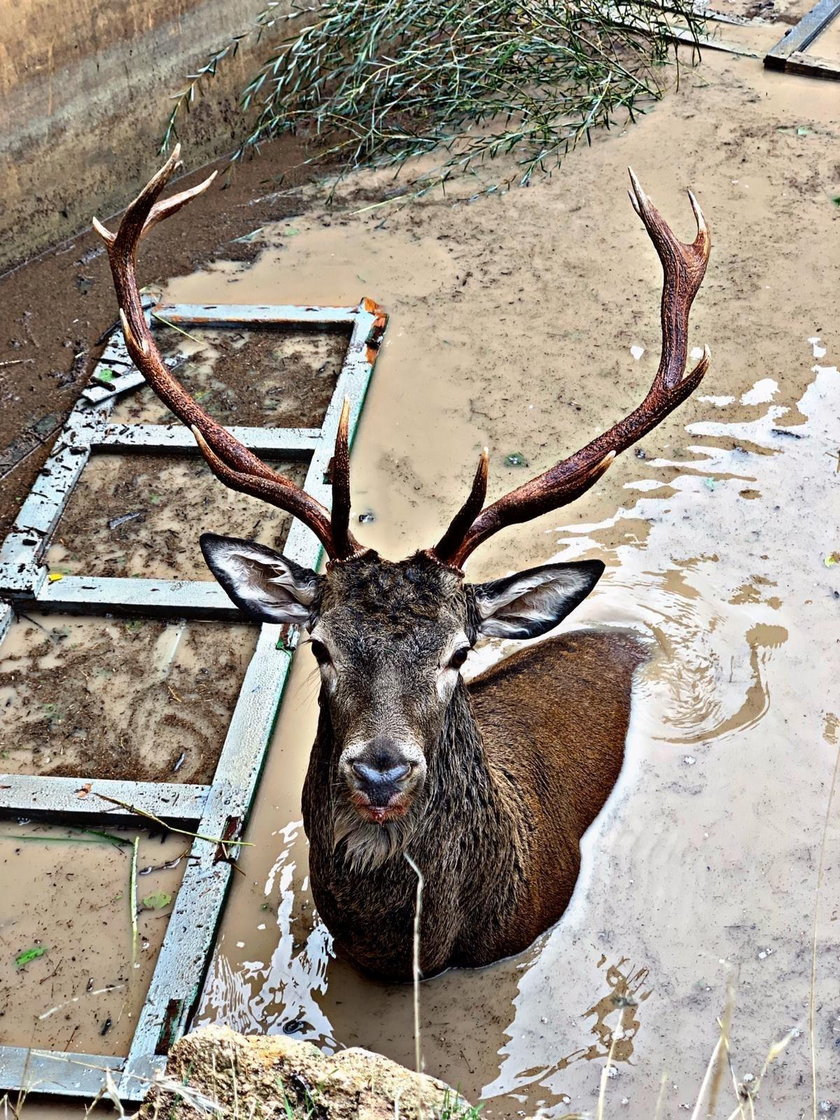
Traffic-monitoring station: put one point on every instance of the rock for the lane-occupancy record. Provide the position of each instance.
(216, 1072)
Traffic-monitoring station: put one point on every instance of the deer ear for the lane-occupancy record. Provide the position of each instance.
(264, 584)
(532, 602)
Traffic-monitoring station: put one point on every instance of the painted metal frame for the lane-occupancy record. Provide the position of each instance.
(789, 53)
(218, 810)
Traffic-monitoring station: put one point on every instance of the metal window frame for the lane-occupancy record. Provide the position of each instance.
(221, 808)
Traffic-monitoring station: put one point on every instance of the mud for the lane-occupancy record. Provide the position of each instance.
(119, 698)
(57, 307)
(126, 517)
(272, 377)
(73, 970)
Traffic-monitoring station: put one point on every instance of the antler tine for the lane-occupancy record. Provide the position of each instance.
(683, 268)
(468, 512)
(340, 480)
(229, 459)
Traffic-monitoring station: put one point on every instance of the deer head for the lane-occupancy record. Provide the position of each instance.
(390, 638)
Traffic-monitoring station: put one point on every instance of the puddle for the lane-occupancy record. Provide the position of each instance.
(126, 517)
(119, 698)
(705, 859)
(715, 534)
(270, 377)
(512, 323)
(73, 970)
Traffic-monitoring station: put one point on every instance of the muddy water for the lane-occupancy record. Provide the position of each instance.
(526, 323)
(74, 967)
(249, 378)
(132, 699)
(126, 517)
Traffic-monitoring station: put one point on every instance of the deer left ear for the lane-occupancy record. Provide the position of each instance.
(532, 602)
(263, 583)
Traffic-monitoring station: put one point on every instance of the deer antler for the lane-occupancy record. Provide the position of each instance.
(230, 460)
(683, 269)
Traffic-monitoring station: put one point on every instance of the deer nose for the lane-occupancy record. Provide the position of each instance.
(381, 774)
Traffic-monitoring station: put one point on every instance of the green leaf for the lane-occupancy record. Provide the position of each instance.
(157, 901)
(28, 955)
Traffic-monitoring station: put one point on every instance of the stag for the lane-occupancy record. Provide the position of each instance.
(487, 787)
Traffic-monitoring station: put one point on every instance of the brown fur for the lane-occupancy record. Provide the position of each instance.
(523, 762)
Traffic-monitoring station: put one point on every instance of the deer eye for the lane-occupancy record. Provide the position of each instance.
(320, 651)
(459, 657)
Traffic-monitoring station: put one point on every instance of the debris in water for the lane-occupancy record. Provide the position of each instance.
(54, 577)
(29, 955)
(516, 459)
(832, 559)
(103, 374)
(689, 760)
(124, 518)
(367, 517)
(710, 483)
(106, 1026)
(157, 901)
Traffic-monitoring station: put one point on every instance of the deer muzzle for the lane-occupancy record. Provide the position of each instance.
(383, 777)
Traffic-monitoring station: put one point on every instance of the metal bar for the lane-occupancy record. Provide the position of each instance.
(20, 555)
(287, 442)
(189, 936)
(29, 794)
(132, 379)
(7, 617)
(183, 598)
(352, 385)
(811, 25)
(184, 314)
(191, 929)
(51, 1071)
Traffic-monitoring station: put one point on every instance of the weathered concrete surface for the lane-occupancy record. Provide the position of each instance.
(85, 90)
(262, 1076)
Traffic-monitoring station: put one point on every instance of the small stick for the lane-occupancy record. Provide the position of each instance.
(132, 899)
(175, 327)
(415, 964)
(228, 843)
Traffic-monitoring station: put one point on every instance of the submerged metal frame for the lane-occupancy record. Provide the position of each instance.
(789, 53)
(220, 809)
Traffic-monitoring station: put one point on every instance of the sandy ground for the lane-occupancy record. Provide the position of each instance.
(516, 322)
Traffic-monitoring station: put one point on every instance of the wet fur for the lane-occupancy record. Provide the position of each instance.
(524, 761)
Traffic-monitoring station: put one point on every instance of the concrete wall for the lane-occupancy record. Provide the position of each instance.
(84, 96)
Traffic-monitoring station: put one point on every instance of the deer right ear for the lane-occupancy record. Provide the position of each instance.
(261, 581)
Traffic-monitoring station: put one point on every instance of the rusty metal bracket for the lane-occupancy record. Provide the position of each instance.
(220, 808)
